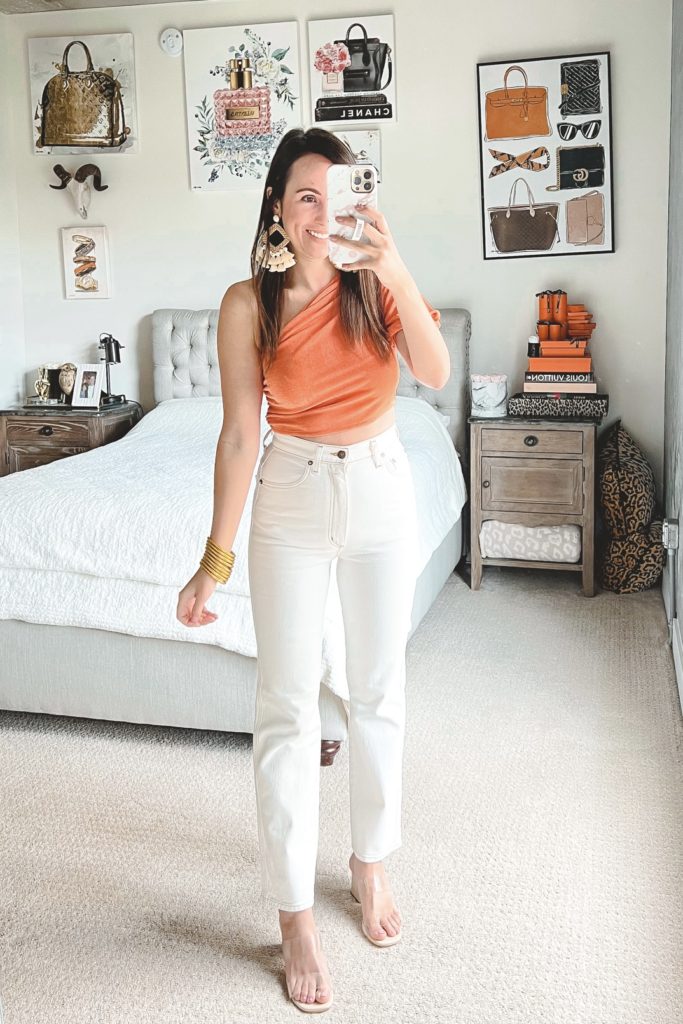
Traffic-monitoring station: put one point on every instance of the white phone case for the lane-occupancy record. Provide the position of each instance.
(341, 200)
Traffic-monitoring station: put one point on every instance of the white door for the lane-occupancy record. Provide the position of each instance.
(673, 417)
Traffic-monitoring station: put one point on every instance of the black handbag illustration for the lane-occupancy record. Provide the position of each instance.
(579, 167)
(368, 60)
(580, 87)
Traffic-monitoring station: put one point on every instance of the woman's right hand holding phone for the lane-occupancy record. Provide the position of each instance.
(192, 599)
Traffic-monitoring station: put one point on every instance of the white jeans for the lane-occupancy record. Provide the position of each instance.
(315, 503)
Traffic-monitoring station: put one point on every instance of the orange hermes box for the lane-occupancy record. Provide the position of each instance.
(548, 364)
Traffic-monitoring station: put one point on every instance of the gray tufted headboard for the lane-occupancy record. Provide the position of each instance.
(186, 363)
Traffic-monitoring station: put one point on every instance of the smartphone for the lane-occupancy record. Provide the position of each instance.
(347, 185)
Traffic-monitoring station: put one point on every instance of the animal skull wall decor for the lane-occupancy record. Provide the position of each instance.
(78, 185)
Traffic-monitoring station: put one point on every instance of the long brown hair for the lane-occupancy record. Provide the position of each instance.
(360, 301)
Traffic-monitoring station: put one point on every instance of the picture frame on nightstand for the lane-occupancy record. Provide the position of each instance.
(88, 386)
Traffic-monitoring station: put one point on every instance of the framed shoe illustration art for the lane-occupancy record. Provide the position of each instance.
(545, 154)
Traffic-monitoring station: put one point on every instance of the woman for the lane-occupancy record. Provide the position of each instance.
(334, 483)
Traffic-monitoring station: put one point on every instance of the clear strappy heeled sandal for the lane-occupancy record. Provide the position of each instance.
(300, 945)
(376, 893)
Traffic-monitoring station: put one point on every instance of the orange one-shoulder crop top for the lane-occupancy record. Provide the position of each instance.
(318, 382)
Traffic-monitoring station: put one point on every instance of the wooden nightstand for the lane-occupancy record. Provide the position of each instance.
(33, 437)
(535, 473)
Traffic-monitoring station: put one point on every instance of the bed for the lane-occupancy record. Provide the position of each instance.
(94, 548)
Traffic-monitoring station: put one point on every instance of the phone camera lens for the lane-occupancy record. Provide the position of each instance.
(367, 186)
(356, 181)
(367, 174)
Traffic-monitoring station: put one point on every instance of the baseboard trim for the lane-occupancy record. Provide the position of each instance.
(677, 648)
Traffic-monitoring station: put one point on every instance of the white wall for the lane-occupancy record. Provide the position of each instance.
(172, 247)
(12, 360)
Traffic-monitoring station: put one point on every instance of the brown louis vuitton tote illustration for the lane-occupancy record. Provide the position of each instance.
(82, 108)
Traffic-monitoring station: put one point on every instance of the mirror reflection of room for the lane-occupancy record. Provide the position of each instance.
(340, 487)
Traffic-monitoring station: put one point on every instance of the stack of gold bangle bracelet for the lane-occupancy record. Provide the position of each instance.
(217, 561)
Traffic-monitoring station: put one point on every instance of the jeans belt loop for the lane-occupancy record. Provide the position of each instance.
(265, 439)
(317, 459)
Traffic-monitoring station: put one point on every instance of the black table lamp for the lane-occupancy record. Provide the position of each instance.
(112, 354)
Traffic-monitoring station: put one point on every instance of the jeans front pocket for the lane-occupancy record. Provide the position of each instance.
(396, 461)
(281, 469)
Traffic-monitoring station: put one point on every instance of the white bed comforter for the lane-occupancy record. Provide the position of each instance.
(107, 539)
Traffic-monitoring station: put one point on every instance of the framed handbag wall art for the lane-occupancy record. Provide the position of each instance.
(545, 130)
(83, 94)
(352, 70)
(243, 93)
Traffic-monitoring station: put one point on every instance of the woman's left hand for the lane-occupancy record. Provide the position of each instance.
(378, 248)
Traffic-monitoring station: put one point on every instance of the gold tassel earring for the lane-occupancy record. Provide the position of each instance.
(272, 248)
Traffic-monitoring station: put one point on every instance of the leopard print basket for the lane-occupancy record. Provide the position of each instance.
(633, 556)
(569, 407)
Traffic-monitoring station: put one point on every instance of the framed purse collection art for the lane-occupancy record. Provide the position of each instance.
(243, 86)
(545, 127)
(545, 132)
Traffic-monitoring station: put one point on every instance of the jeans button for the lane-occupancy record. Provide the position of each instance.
(341, 454)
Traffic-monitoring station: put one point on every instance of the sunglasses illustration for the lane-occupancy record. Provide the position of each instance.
(589, 129)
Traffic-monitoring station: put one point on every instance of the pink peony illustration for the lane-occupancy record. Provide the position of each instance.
(331, 57)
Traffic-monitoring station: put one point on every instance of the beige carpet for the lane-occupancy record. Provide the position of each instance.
(540, 877)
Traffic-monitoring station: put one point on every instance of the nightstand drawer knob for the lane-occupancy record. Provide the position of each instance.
(486, 483)
(46, 431)
(530, 440)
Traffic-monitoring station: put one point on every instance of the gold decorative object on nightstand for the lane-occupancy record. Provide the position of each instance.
(533, 473)
(33, 437)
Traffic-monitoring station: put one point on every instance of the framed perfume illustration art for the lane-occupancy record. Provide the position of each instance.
(243, 92)
(545, 130)
(352, 69)
(83, 94)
